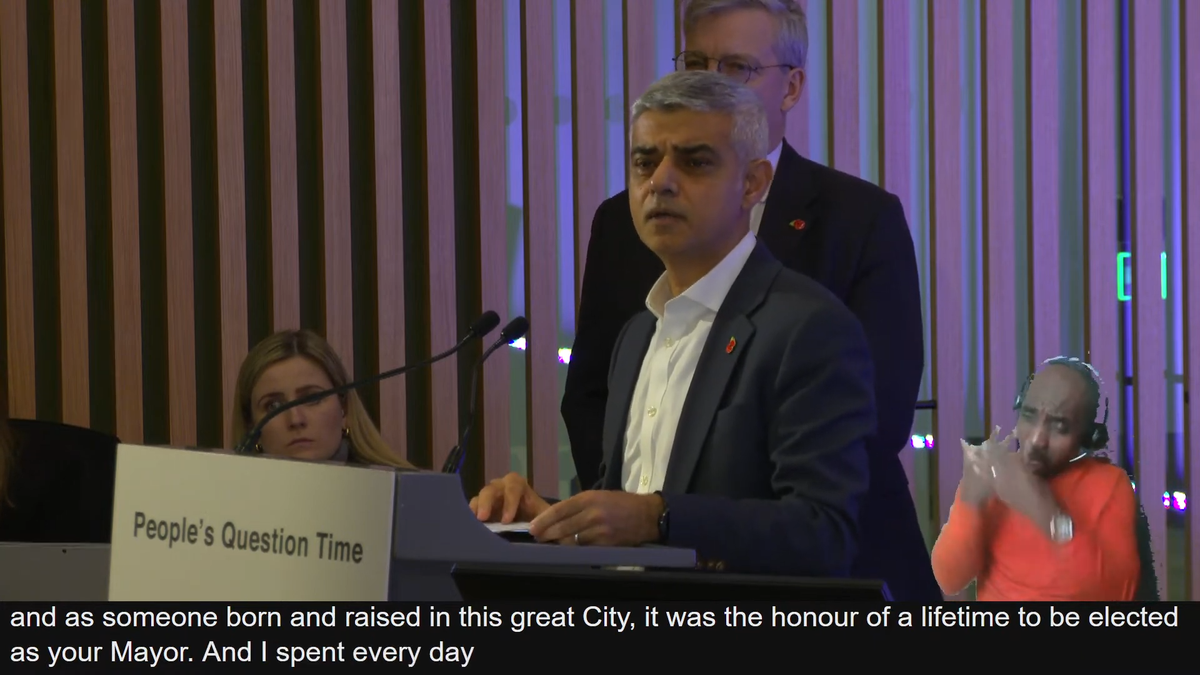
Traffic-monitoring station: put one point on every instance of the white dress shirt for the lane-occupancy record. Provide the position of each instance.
(667, 369)
(757, 210)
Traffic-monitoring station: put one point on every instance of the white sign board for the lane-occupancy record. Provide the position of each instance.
(206, 526)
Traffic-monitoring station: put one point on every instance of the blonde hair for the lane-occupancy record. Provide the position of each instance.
(791, 45)
(366, 444)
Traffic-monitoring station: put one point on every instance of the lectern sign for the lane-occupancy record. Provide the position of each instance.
(208, 526)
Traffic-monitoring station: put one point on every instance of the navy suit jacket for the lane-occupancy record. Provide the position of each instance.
(852, 238)
(769, 463)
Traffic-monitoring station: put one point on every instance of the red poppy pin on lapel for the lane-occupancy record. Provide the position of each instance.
(798, 224)
(729, 347)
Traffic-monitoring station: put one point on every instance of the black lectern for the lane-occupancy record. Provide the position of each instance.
(499, 583)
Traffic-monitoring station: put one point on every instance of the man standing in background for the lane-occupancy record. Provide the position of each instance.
(847, 234)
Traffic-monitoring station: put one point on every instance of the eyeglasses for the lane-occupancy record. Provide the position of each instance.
(736, 67)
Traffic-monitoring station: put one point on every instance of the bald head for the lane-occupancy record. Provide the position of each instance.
(1070, 387)
(1055, 417)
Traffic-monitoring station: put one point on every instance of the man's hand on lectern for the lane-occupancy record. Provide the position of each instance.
(601, 518)
(507, 500)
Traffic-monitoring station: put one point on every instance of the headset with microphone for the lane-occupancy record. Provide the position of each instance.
(1095, 438)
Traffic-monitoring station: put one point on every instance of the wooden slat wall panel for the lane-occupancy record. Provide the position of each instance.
(1149, 331)
(946, 235)
(126, 243)
(231, 197)
(843, 78)
(639, 52)
(439, 167)
(177, 179)
(1189, 22)
(541, 301)
(797, 130)
(587, 119)
(335, 177)
(1100, 201)
(389, 219)
(493, 229)
(895, 114)
(680, 5)
(281, 127)
(1043, 179)
(999, 212)
(72, 217)
(18, 209)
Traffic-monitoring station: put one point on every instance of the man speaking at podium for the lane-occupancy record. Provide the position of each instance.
(740, 401)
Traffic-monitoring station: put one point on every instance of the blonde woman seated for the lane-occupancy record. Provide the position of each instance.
(289, 365)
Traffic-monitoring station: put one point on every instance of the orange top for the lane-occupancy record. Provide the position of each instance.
(1012, 559)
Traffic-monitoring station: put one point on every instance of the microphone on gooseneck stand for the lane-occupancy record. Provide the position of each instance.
(513, 330)
(482, 326)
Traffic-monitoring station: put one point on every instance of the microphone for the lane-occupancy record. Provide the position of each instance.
(482, 326)
(513, 330)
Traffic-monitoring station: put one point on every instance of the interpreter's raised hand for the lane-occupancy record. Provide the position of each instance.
(976, 485)
(507, 500)
(601, 518)
(995, 445)
(1014, 481)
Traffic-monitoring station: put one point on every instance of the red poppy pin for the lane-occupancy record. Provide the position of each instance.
(798, 224)
(729, 347)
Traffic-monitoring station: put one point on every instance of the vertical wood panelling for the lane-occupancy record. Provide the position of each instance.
(843, 77)
(639, 52)
(493, 230)
(541, 302)
(231, 197)
(72, 217)
(895, 117)
(1189, 22)
(796, 132)
(335, 177)
(18, 209)
(999, 212)
(945, 195)
(389, 219)
(126, 242)
(1100, 203)
(177, 180)
(1149, 330)
(587, 120)
(281, 127)
(439, 166)
(680, 5)
(1043, 178)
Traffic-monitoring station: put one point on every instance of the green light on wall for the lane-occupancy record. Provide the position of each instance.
(1125, 272)
(1122, 284)
(1162, 266)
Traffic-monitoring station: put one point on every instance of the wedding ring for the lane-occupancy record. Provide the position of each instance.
(576, 538)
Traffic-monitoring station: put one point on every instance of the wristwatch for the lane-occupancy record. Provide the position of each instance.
(664, 520)
(1062, 528)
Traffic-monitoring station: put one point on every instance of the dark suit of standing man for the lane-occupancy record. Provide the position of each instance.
(845, 233)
